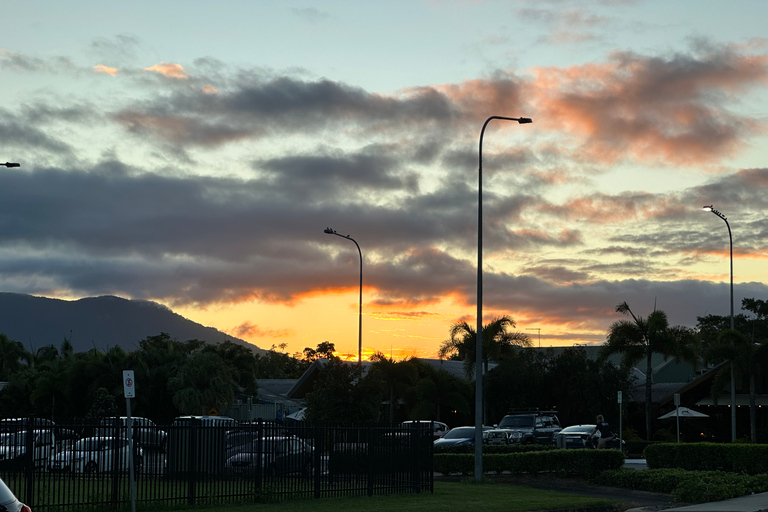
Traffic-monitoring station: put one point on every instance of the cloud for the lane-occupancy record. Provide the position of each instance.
(101, 68)
(249, 330)
(665, 109)
(170, 70)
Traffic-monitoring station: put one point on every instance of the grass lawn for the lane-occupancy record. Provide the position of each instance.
(448, 496)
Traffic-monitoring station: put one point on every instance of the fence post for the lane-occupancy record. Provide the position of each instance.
(192, 466)
(28, 461)
(369, 449)
(317, 459)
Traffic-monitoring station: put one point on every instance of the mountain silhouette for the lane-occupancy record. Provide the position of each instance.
(100, 322)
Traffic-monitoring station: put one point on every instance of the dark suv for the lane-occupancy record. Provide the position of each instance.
(537, 427)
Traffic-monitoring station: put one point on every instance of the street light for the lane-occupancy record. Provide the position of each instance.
(733, 378)
(329, 231)
(11, 164)
(479, 341)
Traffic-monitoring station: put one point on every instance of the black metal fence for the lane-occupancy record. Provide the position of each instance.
(199, 460)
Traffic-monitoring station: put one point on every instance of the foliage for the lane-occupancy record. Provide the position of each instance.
(324, 350)
(494, 448)
(393, 377)
(738, 458)
(586, 463)
(498, 343)
(642, 337)
(171, 377)
(340, 396)
(686, 486)
(577, 387)
(103, 405)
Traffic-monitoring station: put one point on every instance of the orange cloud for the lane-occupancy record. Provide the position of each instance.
(652, 109)
(209, 89)
(101, 68)
(169, 70)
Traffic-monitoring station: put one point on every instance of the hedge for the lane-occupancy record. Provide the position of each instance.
(494, 448)
(686, 486)
(586, 463)
(751, 459)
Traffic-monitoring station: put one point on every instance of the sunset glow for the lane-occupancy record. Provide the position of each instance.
(197, 163)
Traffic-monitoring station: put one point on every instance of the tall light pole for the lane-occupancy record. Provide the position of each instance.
(479, 341)
(329, 231)
(733, 378)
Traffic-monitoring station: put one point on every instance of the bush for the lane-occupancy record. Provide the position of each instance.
(686, 486)
(494, 448)
(565, 462)
(737, 458)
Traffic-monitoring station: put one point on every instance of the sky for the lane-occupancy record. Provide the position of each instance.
(192, 153)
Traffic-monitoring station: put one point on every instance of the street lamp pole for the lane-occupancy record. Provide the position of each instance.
(733, 378)
(330, 231)
(479, 341)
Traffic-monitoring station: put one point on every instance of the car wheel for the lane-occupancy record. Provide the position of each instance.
(91, 467)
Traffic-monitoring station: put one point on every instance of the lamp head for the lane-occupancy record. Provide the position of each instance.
(707, 208)
(524, 120)
(11, 164)
(329, 231)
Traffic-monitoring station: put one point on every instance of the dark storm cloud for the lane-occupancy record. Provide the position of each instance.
(261, 106)
(323, 174)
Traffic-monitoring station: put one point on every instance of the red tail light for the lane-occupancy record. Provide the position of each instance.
(25, 508)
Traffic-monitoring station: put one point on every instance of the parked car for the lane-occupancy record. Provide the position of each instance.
(581, 436)
(534, 426)
(13, 448)
(274, 455)
(459, 436)
(9, 502)
(144, 431)
(98, 455)
(439, 429)
(502, 436)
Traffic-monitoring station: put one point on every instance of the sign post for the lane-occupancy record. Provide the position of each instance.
(621, 444)
(129, 391)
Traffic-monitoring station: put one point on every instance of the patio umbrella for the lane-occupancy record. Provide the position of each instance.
(683, 412)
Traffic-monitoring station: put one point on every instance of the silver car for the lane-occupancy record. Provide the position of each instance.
(9, 502)
(97, 455)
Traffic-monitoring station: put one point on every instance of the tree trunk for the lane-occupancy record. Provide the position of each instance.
(648, 395)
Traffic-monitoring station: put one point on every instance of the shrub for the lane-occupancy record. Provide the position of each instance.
(566, 462)
(739, 458)
(686, 486)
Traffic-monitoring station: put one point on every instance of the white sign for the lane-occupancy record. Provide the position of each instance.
(619, 396)
(129, 385)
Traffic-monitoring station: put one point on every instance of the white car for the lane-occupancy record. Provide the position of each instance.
(97, 455)
(439, 428)
(9, 502)
(13, 448)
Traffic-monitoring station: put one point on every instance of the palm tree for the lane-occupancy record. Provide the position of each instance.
(747, 358)
(396, 376)
(498, 343)
(641, 338)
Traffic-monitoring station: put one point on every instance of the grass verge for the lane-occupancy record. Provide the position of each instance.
(453, 496)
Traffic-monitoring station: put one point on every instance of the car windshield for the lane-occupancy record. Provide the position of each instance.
(461, 433)
(578, 429)
(517, 421)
